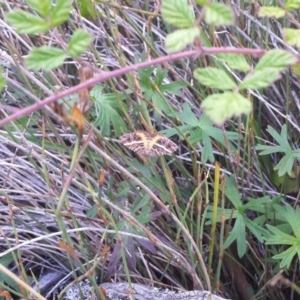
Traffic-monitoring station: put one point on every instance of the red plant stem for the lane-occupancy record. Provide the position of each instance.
(107, 75)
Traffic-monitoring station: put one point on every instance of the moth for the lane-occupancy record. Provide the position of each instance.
(148, 145)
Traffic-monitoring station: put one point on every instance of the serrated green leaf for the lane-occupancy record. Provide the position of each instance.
(218, 14)
(43, 7)
(178, 13)
(27, 23)
(46, 58)
(79, 42)
(214, 78)
(234, 61)
(292, 36)
(179, 39)
(277, 59)
(60, 13)
(2, 81)
(220, 107)
(271, 11)
(260, 79)
(292, 4)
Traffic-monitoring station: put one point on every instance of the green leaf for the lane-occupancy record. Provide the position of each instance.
(79, 42)
(27, 23)
(277, 59)
(107, 106)
(279, 237)
(43, 7)
(292, 4)
(187, 116)
(179, 39)
(241, 236)
(271, 11)
(292, 36)
(201, 130)
(218, 14)
(173, 88)
(2, 80)
(60, 13)
(286, 164)
(178, 13)
(234, 61)
(232, 193)
(46, 58)
(287, 256)
(207, 153)
(160, 75)
(269, 149)
(292, 216)
(214, 78)
(160, 102)
(259, 204)
(238, 233)
(260, 79)
(220, 107)
(255, 229)
(87, 8)
(281, 139)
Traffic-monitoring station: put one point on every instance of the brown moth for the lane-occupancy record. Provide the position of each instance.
(148, 145)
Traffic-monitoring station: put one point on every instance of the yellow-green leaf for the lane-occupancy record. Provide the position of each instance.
(46, 58)
(292, 36)
(180, 38)
(271, 11)
(235, 61)
(292, 4)
(214, 78)
(79, 42)
(218, 14)
(179, 13)
(27, 23)
(220, 107)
